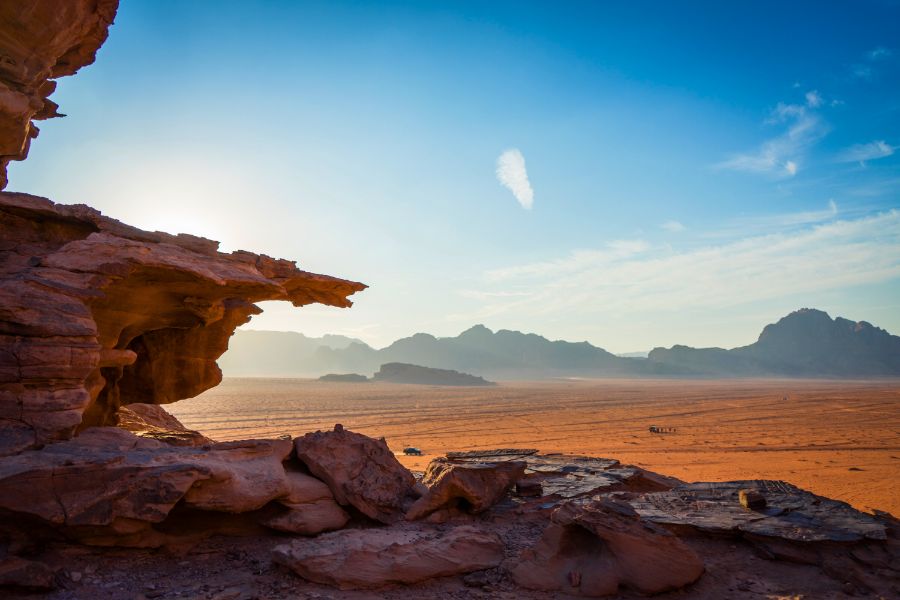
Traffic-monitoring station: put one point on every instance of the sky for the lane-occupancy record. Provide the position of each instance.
(633, 174)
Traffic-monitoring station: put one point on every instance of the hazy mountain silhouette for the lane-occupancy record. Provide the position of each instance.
(806, 343)
(275, 353)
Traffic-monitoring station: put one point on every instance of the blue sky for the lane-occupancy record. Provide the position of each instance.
(631, 174)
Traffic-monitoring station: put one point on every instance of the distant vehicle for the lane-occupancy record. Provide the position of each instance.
(656, 429)
(411, 451)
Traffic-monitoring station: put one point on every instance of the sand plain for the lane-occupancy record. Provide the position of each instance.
(836, 438)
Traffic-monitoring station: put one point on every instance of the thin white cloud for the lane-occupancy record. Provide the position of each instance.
(511, 173)
(780, 156)
(863, 152)
(769, 224)
(833, 255)
(673, 226)
(790, 167)
(878, 53)
(814, 99)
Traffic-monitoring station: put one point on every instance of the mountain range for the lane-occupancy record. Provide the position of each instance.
(805, 343)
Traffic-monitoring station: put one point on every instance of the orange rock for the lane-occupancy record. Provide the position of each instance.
(152, 421)
(360, 471)
(594, 549)
(476, 486)
(42, 40)
(310, 505)
(95, 315)
(377, 558)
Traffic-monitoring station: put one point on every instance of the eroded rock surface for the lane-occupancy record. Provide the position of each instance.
(41, 41)
(310, 507)
(789, 513)
(109, 486)
(360, 471)
(473, 486)
(596, 548)
(95, 314)
(376, 558)
(152, 421)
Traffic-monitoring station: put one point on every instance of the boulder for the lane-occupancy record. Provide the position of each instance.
(26, 574)
(152, 421)
(595, 548)
(360, 471)
(310, 505)
(109, 487)
(377, 558)
(475, 487)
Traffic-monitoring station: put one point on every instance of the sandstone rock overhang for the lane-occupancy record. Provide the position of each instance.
(95, 314)
(40, 41)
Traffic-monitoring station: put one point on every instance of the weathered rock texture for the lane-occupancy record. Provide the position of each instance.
(152, 421)
(40, 41)
(310, 507)
(376, 558)
(593, 549)
(474, 487)
(109, 487)
(361, 472)
(95, 314)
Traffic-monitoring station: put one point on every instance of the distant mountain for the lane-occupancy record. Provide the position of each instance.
(406, 373)
(497, 355)
(806, 343)
(275, 353)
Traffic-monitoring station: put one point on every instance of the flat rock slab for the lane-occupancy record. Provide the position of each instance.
(378, 558)
(561, 476)
(790, 512)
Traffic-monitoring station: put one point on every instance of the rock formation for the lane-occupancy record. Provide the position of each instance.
(95, 314)
(406, 373)
(310, 505)
(360, 471)
(593, 549)
(152, 421)
(475, 486)
(40, 41)
(376, 558)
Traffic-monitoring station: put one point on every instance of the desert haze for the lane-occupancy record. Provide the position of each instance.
(837, 439)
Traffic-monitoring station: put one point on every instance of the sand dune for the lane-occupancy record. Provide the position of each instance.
(839, 439)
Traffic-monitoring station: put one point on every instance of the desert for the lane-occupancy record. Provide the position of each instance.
(835, 438)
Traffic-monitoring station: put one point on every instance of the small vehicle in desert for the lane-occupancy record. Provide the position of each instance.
(412, 451)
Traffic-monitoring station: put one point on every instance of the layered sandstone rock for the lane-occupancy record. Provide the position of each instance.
(95, 314)
(310, 507)
(596, 548)
(152, 421)
(109, 487)
(40, 41)
(361, 472)
(376, 558)
(475, 487)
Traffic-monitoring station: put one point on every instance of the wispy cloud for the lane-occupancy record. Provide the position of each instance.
(816, 258)
(863, 152)
(673, 226)
(878, 53)
(781, 155)
(511, 173)
(814, 99)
